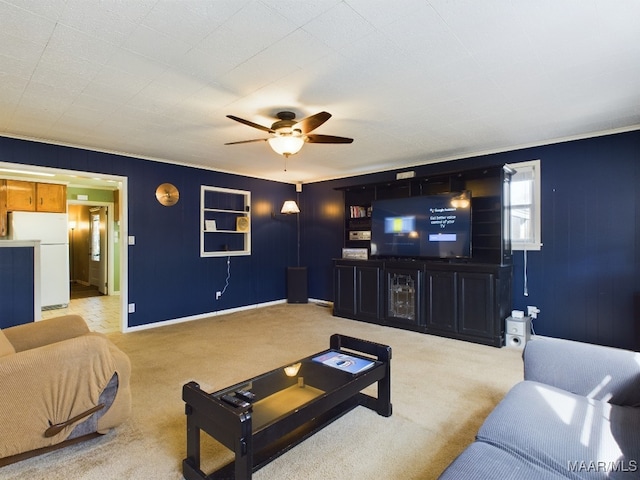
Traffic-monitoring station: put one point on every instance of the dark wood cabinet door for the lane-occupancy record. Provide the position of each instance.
(344, 296)
(441, 300)
(476, 304)
(369, 287)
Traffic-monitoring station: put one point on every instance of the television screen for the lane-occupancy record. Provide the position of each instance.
(433, 226)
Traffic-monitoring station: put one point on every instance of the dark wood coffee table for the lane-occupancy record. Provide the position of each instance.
(283, 407)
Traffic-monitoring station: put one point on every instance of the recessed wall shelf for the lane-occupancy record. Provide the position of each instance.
(225, 222)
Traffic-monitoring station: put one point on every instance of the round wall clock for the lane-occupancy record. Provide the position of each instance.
(167, 194)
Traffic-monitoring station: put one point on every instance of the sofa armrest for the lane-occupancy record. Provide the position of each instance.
(37, 334)
(594, 371)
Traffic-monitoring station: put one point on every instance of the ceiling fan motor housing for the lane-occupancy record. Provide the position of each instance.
(285, 124)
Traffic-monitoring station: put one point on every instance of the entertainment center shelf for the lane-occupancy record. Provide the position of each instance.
(490, 202)
(466, 296)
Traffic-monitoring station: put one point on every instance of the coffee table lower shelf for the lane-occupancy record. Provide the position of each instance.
(280, 421)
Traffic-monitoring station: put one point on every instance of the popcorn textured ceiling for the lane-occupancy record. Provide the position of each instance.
(412, 81)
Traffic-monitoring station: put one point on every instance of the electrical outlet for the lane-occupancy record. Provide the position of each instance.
(532, 311)
(132, 308)
(218, 295)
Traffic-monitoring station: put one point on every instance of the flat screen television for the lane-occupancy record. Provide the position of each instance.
(430, 226)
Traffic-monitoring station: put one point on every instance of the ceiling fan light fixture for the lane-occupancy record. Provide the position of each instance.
(286, 144)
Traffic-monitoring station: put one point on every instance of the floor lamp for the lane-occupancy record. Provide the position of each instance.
(296, 276)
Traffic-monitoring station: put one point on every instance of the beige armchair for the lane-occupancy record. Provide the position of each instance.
(59, 383)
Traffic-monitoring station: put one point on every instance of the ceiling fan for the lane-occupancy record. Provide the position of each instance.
(289, 134)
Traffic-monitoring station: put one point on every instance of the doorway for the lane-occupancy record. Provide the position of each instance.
(92, 249)
(114, 303)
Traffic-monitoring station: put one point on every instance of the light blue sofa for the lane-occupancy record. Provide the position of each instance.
(576, 415)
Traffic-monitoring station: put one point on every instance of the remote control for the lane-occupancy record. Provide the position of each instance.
(246, 395)
(235, 401)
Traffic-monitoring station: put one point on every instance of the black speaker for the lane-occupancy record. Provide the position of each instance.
(297, 285)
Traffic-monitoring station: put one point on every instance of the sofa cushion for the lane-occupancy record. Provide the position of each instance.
(487, 462)
(573, 435)
(5, 346)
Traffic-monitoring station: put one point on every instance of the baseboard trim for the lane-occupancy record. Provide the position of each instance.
(191, 318)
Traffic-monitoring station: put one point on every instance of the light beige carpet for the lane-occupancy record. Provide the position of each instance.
(442, 390)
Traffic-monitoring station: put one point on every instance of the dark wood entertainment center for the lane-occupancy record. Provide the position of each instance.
(467, 299)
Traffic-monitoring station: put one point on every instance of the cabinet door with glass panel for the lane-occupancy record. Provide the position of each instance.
(225, 222)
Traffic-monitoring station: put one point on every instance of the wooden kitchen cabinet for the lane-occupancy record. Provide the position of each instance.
(3, 221)
(3, 208)
(51, 197)
(22, 196)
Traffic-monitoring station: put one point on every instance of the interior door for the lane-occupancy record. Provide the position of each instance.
(98, 270)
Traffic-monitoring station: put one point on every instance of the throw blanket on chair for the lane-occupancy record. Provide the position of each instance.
(55, 384)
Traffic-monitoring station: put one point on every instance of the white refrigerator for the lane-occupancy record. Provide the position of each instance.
(51, 229)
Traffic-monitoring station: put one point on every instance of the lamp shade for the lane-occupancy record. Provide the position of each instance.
(286, 144)
(290, 206)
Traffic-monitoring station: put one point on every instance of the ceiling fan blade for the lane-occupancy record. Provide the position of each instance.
(311, 123)
(247, 141)
(313, 138)
(251, 124)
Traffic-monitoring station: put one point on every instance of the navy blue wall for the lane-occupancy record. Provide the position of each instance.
(167, 277)
(585, 279)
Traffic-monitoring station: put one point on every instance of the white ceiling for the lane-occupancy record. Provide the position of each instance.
(412, 81)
